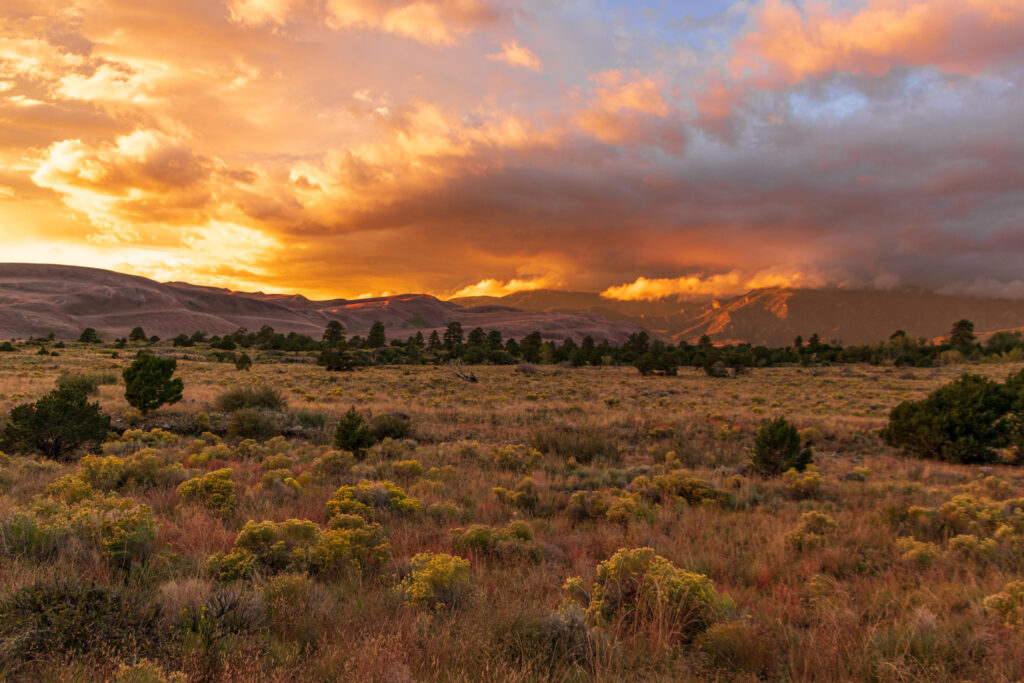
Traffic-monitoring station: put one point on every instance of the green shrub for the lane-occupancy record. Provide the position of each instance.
(407, 469)
(88, 384)
(75, 619)
(89, 336)
(916, 553)
(260, 398)
(148, 383)
(524, 496)
(811, 532)
(281, 484)
(688, 487)
(331, 465)
(962, 422)
(278, 461)
(513, 542)
(1008, 603)
(369, 497)
(738, 646)
(582, 445)
(310, 419)
(252, 423)
(516, 458)
(584, 505)
(549, 641)
(636, 586)
(390, 426)
(350, 545)
(135, 439)
(122, 530)
(628, 508)
(293, 603)
(803, 485)
(56, 425)
(777, 449)
(214, 490)
(141, 469)
(438, 581)
(353, 434)
(444, 512)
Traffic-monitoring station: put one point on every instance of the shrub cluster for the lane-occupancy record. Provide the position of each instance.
(213, 490)
(371, 497)
(76, 619)
(962, 422)
(121, 529)
(777, 449)
(438, 581)
(259, 398)
(513, 542)
(582, 445)
(811, 532)
(635, 586)
(56, 425)
(350, 545)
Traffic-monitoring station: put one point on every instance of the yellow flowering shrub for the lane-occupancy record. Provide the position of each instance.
(811, 532)
(297, 545)
(370, 497)
(637, 585)
(438, 581)
(515, 541)
(214, 490)
(1008, 603)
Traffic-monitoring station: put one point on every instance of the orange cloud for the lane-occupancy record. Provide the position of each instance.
(436, 22)
(338, 157)
(144, 176)
(421, 147)
(514, 54)
(630, 108)
(698, 286)
(497, 288)
(958, 36)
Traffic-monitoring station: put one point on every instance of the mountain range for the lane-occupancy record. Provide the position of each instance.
(38, 299)
(775, 317)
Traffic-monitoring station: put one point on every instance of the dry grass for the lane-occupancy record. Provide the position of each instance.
(850, 606)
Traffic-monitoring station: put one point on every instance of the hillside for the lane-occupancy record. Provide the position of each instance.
(38, 299)
(774, 317)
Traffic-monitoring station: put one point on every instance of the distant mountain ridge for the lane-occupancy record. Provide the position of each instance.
(774, 317)
(38, 299)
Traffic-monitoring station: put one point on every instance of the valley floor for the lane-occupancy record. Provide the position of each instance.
(888, 582)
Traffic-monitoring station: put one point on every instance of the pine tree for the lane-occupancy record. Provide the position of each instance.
(148, 382)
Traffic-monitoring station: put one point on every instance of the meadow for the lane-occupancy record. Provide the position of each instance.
(869, 565)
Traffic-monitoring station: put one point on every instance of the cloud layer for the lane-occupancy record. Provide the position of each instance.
(341, 147)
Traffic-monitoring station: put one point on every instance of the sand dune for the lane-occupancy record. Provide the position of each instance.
(38, 299)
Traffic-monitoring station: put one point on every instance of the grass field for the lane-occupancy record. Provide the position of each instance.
(888, 582)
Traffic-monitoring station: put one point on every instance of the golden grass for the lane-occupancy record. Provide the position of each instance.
(847, 608)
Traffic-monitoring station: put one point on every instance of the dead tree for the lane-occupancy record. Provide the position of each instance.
(459, 368)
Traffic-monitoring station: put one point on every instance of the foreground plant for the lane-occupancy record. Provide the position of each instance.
(636, 586)
(438, 581)
(56, 425)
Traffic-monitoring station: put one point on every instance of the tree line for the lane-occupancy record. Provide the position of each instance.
(337, 351)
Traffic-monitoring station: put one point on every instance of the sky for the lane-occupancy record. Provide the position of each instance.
(346, 148)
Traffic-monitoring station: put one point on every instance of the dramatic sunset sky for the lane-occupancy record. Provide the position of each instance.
(350, 147)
